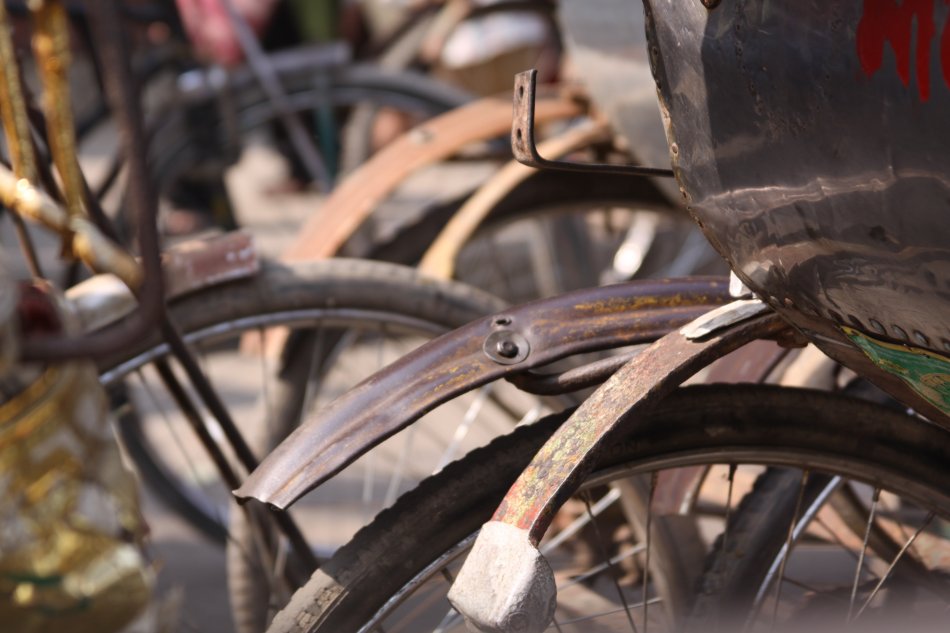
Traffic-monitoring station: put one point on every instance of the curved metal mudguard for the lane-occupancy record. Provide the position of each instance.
(517, 340)
(524, 593)
(344, 211)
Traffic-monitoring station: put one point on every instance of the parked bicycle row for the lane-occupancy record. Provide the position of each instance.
(323, 316)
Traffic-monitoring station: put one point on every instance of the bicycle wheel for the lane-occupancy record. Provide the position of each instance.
(205, 137)
(262, 571)
(393, 576)
(326, 297)
(828, 553)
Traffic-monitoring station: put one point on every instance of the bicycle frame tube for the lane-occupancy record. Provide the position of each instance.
(498, 346)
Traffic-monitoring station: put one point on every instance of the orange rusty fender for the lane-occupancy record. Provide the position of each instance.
(345, 210)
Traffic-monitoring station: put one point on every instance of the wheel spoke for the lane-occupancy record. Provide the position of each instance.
(788, 546)
(397, 477)
(180, 444)
(596, 569)
(613, 570)
(265, 382)
(646, 566)
(581, 522)
(837, 539)
(725, 531)
(890, 568)
(626, 607)
(798, 528)
(864, 549)
(461, 431)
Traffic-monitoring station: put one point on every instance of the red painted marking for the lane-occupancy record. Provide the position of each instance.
(892, 22)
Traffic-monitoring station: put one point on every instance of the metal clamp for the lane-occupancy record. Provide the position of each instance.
(525, 149)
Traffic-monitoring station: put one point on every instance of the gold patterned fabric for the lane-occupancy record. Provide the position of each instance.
(70, 527)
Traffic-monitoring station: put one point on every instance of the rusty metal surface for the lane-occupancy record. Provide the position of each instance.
(524, 146)
(559, 467)
(120, 90)
(574, 379)
(393, 398)
(188, 266)
(830, 201)
(199, 263)
(677, 489)
(832, 341)
(439, 259)
(351, 203)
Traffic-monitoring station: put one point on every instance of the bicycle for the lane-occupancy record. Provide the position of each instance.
(212, 290)
(884, 483)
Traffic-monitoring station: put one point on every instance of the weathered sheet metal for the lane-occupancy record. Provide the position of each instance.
(816, 161)
(522, 338)
(558, 469)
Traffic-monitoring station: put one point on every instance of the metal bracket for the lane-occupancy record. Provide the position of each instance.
(525, 149)
(723, 317)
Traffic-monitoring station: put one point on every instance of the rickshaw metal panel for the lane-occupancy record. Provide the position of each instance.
(821, 177)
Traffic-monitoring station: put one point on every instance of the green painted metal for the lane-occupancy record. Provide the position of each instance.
(926, 372)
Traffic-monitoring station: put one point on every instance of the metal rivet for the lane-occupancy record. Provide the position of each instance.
(675, 148)
(921, 338)
(899, 332)
(946, 345)
(877, 327)
(506, 349)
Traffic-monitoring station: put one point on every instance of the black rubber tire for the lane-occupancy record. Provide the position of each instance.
(286, 289)
(174, 152)
(368, 285)
(758, 528)
(766, 424)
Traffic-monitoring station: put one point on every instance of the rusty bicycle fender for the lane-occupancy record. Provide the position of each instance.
(344, 211)
(187, 267)
(505, 555)
(514, 341)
